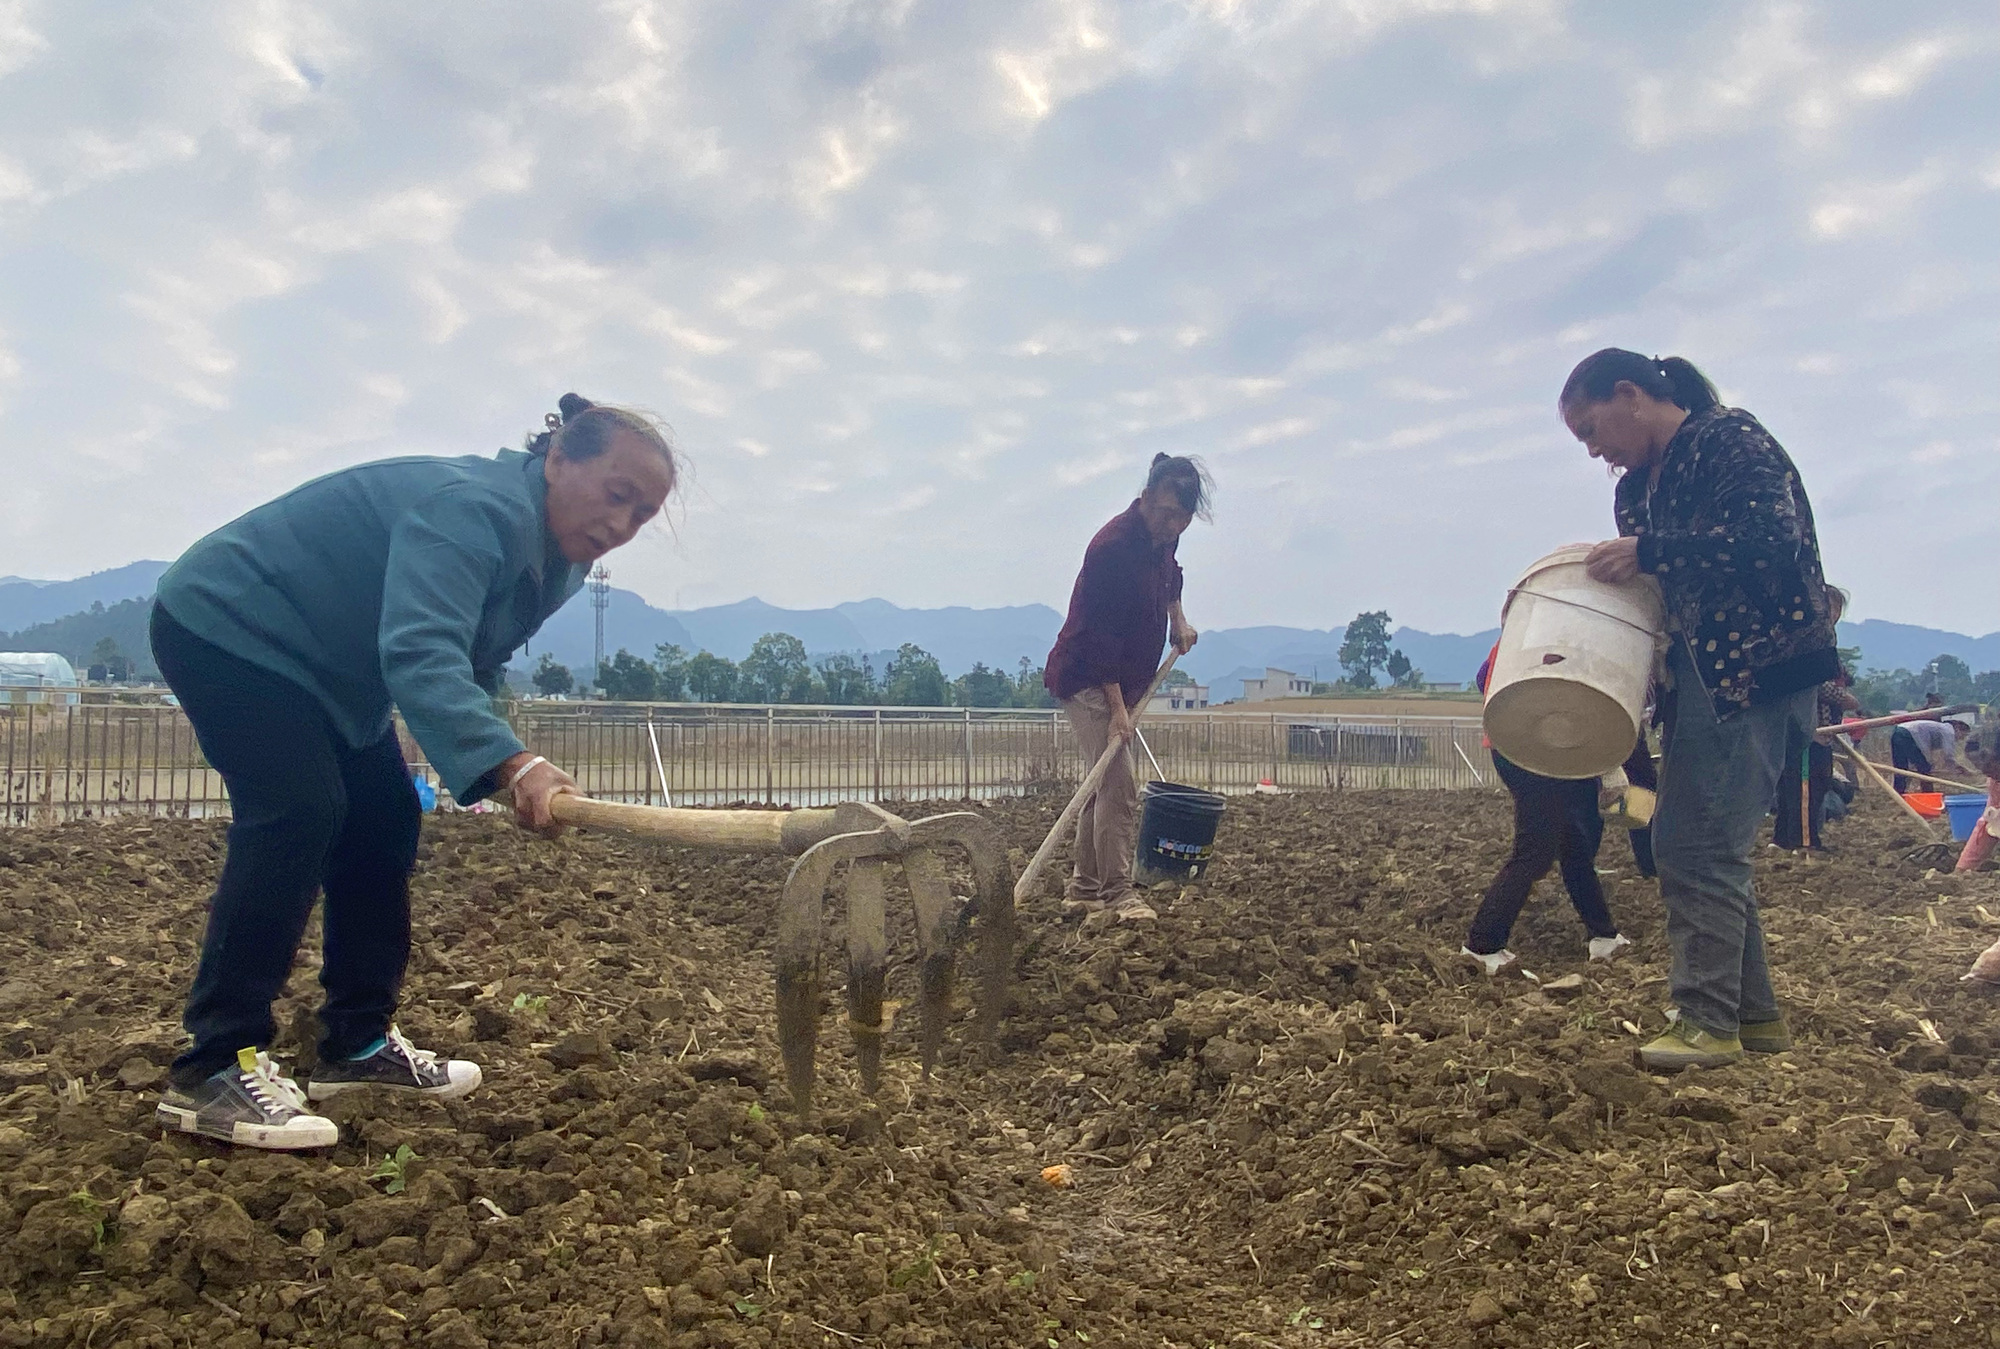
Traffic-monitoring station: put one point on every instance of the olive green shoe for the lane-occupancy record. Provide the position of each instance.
(1765, 1037)
(1685, 1045)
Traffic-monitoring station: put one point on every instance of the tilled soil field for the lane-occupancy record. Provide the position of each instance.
(1293, 1118)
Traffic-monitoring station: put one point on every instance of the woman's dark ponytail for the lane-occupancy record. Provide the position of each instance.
(1671, 380)
(1691, 388)
(1187, 478)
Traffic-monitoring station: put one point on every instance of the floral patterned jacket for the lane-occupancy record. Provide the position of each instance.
(1728, 532)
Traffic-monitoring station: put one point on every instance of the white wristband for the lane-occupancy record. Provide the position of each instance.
(523, 771)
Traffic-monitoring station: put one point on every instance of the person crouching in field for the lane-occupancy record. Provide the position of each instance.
(1928, 747)
(290, 636)
(1710, 505)
(1554, 819)
(1125, 606)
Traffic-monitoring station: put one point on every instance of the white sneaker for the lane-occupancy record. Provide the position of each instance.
(1609, 948)
(1491, 961)
(395, 1063)
(251, 1103)
(1133, 909)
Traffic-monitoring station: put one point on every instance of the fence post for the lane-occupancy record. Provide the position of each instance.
(968, 754)
(878, 754)
(770, 732)
(1399, 752)
(1274, 749)
(1211, 751)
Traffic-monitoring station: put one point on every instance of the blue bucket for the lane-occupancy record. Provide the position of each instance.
(427, 795)
(1964, 812)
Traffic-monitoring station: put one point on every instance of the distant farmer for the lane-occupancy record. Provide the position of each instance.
(1126, 605)
(1556, 820)
(289, 636)
(1982, 751)
(1710, 505)
(1813, 757)
(1928, 747)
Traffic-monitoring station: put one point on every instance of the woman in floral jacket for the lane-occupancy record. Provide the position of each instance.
(1711, 506)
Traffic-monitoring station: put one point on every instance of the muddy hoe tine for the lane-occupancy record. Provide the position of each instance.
(930, 893)
(992, 908)
(865, 838)
(800, 913)
(867, 966)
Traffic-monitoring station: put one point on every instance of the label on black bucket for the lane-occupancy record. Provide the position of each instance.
(1183, 852)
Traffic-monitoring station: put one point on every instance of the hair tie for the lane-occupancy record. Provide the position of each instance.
(553, 422)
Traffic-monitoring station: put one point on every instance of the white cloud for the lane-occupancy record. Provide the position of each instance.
(960, 270)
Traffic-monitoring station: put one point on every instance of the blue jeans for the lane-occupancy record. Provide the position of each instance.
(1716, 785)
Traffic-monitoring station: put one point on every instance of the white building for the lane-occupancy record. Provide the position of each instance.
(24, 674)
(1179, 698)
(1276, 683)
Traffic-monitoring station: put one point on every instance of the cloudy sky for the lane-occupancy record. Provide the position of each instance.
(921, 285)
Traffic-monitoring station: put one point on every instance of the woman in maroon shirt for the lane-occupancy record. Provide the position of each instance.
(1126, 604)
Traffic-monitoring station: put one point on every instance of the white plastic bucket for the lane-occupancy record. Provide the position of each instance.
(1567, 691)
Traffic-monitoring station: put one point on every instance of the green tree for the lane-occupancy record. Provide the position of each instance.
(1364, 648)
(914, 679)
(981, 687)
(711, 678)
(1406, 675)
(106, 657)
(627, 678)
(1950, 678)
(775, 671)
(550, 678)
(846, 681)
(1029, 690)
(670, 672)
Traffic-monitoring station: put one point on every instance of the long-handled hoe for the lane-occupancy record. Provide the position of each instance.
(866, 838)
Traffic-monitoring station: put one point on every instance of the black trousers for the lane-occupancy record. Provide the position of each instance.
(1641, 771)
(1818, 756)
(1904, 753)
(309, 813)
(1554, 820)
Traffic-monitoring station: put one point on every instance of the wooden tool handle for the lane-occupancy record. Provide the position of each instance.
(1926, 777)
(1928, 714)
(1883, 783)
(1033, 871)
(772, 831)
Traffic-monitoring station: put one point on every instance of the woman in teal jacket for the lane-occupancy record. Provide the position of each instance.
(289, 636)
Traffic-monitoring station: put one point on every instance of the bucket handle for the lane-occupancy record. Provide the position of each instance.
(1574, 604)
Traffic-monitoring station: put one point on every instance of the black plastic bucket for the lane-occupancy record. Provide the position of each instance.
(1176, 832)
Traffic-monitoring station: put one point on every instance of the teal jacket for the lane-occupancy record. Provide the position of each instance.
(404, 583)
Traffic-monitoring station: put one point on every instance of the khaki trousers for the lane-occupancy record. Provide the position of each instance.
(1108, 828)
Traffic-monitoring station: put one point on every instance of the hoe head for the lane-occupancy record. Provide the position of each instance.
(943, 926)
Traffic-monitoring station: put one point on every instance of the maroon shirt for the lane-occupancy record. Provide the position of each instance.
(1117, 624)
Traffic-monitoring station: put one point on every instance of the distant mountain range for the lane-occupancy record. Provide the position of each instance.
(58, 612)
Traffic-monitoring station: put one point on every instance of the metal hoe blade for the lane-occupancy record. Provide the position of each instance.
(941, 928)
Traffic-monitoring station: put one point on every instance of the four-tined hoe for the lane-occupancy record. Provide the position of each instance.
(866, 840)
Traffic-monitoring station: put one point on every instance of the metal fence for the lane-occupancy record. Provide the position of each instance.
(93, 759)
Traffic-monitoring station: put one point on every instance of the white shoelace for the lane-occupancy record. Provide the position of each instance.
(423, 1060)
(270, 1088)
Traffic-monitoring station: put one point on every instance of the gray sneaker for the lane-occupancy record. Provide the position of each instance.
(397, 1064)
(250, 1103)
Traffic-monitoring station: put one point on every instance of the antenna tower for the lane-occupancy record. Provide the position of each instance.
(600, 598)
